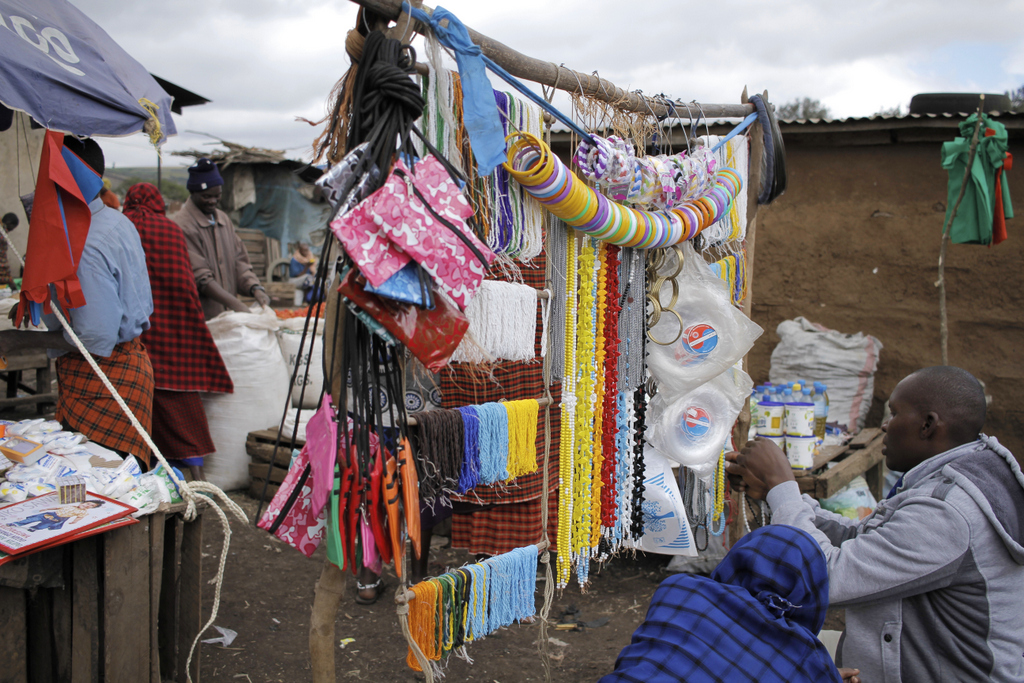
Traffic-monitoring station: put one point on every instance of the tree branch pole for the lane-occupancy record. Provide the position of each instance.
(563, 78)
(941, 283)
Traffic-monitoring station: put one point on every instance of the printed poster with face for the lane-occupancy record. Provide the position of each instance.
(44, 520)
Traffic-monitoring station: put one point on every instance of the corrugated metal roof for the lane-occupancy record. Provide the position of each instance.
(903, 120)
(1007, 115)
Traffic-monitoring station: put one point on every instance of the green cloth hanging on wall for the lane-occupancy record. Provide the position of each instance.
(973, 222)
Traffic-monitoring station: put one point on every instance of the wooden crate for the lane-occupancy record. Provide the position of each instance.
(28, 360)
(862, 456)
(260, 447)
(119, 607)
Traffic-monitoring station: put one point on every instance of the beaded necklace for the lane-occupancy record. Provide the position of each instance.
(609, 430)
(469, 475)
(467, 604)
(522, 432)
(583, 462)
(558, 245)
(640, 411)
(719, 494)
(493, 442)
(516, 228)
(567, 450)
(597, 485)
(423, 625)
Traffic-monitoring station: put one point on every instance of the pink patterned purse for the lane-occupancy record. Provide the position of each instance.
(290, 514)
(418, 214)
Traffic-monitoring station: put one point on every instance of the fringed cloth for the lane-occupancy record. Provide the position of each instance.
(180, 429)
(85, 405)
(509, 517)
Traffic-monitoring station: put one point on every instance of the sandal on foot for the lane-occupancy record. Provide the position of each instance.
(377, 587)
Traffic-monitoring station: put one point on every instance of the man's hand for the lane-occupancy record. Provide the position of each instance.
(850, 675)
(262, 298)
(761, 465)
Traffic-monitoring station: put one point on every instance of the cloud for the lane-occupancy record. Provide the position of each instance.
(263, 62)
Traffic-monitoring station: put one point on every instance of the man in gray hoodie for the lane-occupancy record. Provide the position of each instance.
(933, 580)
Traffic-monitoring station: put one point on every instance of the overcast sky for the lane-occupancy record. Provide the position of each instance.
(265, 62)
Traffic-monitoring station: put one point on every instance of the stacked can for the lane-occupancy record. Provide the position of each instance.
(801, 443)
(771, 423)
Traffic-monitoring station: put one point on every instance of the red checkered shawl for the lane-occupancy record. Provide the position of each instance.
(180, 346)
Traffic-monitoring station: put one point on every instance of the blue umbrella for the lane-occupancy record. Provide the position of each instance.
(65, 72)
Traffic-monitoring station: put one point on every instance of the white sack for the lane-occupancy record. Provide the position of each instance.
(290, 336)
(248, 344)
(846, 363)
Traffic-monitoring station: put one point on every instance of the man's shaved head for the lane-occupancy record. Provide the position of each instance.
(955, 394)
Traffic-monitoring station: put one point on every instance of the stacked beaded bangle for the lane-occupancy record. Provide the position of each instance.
(544, 176)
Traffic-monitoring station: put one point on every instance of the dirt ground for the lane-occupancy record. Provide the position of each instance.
(268, 592)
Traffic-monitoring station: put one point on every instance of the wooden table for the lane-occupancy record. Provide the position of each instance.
(119, 607)
(862, 456)
(20, 361)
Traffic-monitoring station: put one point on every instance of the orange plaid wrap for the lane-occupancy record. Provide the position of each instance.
(85, 405)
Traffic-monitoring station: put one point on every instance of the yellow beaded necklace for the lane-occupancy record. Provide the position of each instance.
(566, 445)
(598, 398)
(583, 464)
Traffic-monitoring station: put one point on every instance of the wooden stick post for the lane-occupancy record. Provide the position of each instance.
(941, 283)
(738, 528)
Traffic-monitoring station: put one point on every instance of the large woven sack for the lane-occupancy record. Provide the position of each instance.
(846, 363)
(248, 344)
(290, 337)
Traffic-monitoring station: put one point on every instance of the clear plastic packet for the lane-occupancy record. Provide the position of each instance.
(700, 334)
(691, 429)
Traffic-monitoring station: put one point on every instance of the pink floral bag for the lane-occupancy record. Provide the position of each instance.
(365, 241)
(419, 214)
(290, 514)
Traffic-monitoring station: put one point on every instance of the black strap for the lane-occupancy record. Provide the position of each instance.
(294, 496)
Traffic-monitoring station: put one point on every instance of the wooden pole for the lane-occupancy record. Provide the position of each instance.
(737, 529)
(941, 283)
(563, 78)
(330, 589)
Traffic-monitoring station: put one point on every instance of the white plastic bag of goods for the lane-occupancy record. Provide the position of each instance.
(248, 344)
(845, 363)
(707, 332)
(289, 424)
(290, 336)
(666, 530)
(691, 429)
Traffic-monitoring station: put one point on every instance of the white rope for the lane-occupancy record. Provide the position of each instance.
(188, 490)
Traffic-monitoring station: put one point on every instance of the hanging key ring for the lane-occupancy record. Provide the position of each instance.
(678, 334)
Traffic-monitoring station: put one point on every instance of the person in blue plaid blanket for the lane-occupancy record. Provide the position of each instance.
(754, 619)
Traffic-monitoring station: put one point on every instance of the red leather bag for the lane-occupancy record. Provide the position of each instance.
(431, 335)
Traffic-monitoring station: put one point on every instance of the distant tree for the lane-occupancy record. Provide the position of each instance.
(890, 111)
(803, 108)
(172, 191)
(1016, 99)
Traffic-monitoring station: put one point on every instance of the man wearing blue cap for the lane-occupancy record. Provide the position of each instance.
(220, 262)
